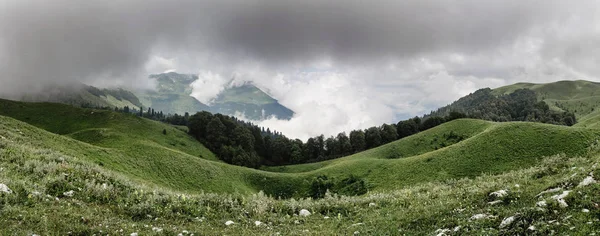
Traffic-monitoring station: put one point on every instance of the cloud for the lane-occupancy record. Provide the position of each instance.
(340, 64)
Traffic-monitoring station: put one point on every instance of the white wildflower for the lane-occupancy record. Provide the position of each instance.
(541, 203)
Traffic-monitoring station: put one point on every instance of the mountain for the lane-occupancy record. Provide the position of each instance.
(173, 95)
(249, 100)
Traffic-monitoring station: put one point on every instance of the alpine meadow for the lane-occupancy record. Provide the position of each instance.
(299, 118)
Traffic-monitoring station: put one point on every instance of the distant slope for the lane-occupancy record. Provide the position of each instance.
(83, 95)
(579, 97)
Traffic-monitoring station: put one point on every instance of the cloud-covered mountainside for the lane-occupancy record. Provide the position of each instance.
(173, 95)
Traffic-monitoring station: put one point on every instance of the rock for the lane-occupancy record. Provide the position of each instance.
(507, 221)
(442, 232)
(5, 189)
(372, 204)
(357, 224)
(133, 234)
(156, 229)
(541, 203)
(356, 233)
(229, 222)
(499, 194)
(326, 217)
(481, 216)
(257, 223)
(532, 228)
(457, 228)
(69, 193)
(304, 213)
(553, 190)
(559, 198)
(585, 210)
(495, 202)
(587, 181)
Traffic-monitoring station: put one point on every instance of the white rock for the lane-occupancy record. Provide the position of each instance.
(357, 224)
(356, 233)
(326, 217)
(5, 189)
(456, 229)
(229, 222)
(257, 223)
(553, 190)
(495, 202)
(559, 198)
(499, 194)
(517, 186)
(480, 216)
(532, 228)
(507, 221)
(585, 210)
(541, 203)
(587, 181)
(562, 203)
(156, 229)
(304, 212)
(69, 193)
(133, 234)
(372, 204)
(442, 232)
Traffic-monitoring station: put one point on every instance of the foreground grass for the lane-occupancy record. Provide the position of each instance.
(54, 192)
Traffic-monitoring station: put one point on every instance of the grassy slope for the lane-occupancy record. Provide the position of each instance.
(500, 147)
(580, 97)
(40, 167)
(248, 94)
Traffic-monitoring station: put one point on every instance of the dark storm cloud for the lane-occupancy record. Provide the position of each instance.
(70, 41)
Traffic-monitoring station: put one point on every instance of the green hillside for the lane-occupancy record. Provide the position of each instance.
(579, 97)
(57, 187)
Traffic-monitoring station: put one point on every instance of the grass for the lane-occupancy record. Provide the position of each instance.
(247, 94)
(41, 168)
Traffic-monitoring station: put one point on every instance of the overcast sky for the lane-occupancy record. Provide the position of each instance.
(339, 64)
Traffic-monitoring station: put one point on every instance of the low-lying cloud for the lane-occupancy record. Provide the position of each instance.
(339, 64)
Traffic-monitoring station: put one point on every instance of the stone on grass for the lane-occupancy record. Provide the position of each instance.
(133, 234)
(372, 204)
(585, 210)
(69, 193)
(559, 198)
(229, 222)
(257, 223)
(495, 202)
(5, 189)
(442, 232)
(481, 216)
(507, 221)
(304, 212)
(499, 194)
(553, 190)
(541, 203)
(587, 181)
(156, 229)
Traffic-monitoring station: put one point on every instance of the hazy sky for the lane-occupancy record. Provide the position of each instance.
(340, 64)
